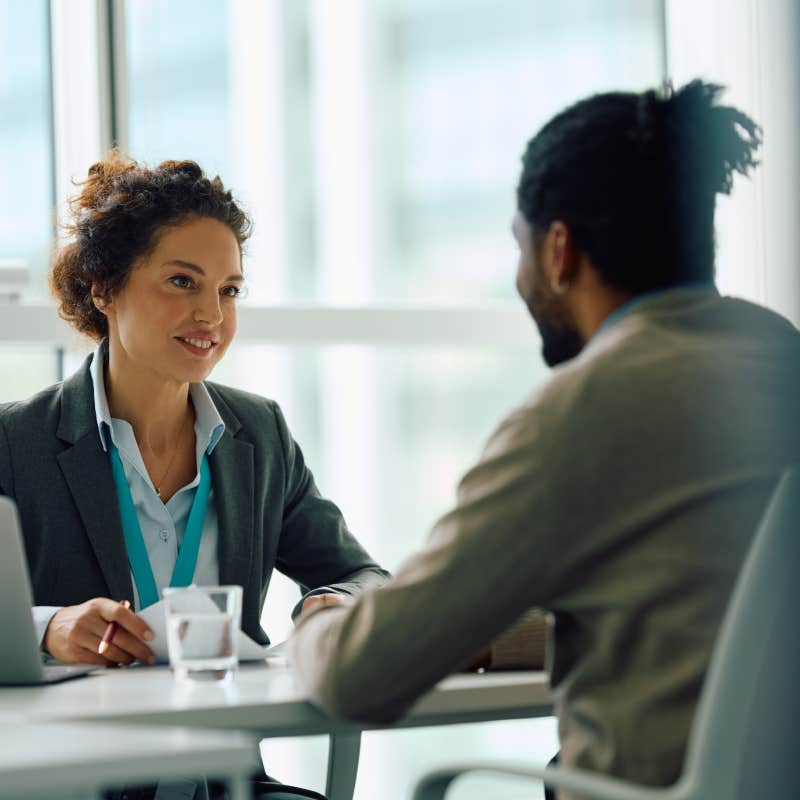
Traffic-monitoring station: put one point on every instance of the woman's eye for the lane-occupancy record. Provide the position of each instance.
(233, 291)
(181, 281)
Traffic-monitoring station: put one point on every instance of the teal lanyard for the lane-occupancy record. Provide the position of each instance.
(134, 541)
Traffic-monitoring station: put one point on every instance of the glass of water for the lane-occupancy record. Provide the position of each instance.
(202, 631)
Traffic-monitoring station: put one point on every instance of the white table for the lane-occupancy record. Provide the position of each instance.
(76, 760)
(268, 701)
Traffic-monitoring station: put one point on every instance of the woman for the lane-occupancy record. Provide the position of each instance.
(153, 274)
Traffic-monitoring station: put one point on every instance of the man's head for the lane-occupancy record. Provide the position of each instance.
(616, 198)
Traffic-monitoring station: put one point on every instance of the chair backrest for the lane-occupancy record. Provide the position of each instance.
(745, 740)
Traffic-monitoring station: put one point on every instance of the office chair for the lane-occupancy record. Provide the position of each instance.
(745, 739)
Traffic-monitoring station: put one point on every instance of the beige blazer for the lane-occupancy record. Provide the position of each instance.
(622, 497)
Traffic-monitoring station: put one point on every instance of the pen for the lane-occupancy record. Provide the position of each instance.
(108, 636)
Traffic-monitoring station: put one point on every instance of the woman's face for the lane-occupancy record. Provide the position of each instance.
(176, 314)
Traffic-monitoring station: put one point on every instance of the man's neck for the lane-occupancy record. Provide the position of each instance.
(591, 308)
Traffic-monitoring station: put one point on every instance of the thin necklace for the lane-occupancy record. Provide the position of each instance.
(174, 453)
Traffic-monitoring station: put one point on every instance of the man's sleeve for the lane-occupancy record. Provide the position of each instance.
(316, 549)
(486, 564)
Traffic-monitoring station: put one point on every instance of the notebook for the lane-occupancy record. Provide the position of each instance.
(21, 659)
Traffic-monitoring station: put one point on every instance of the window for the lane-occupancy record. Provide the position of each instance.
(376, 144)
(26, 169)
(26, 175)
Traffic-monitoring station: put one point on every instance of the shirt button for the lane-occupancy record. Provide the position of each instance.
(164, 534)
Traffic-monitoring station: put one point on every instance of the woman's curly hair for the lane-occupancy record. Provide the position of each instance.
(116, 219)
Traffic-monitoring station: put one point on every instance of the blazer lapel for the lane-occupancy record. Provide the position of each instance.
(87, 472)
(232, 478)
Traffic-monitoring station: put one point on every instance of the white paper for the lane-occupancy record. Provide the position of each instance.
(155, 617)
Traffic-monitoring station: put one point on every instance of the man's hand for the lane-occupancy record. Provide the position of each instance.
(74, 634)
(318, 601)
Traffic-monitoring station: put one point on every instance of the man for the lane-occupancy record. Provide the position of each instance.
(623, 496)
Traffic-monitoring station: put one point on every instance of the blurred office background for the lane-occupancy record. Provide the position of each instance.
(376, 144)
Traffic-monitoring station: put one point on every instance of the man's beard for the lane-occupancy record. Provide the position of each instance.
(560, 342)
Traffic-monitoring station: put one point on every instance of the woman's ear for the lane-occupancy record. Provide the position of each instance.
(101, 301)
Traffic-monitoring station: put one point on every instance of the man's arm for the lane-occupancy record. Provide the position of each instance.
(485, 565)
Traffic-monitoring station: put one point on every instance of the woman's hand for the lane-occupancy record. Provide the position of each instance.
(74, 634)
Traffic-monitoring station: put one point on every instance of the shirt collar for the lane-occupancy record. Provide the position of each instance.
(631, 305)
(208, 425)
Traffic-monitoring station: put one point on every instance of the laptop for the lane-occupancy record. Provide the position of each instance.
(21, 660)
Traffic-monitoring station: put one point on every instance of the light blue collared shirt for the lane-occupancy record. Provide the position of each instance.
(628, 306)
(162, 525)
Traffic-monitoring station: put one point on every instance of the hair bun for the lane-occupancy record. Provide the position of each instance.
(189, 169)
(649, 114)
(100, 182)
(710, 141)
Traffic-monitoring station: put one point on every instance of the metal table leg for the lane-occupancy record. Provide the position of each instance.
(342, 765)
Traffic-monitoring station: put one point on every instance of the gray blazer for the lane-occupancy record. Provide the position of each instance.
(271, 515)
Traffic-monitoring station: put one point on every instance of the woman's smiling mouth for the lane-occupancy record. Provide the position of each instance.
(197, 346)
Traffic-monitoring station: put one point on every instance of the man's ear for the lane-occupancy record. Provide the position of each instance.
(560, 261)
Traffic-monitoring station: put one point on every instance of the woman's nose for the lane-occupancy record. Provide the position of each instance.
(209, 310)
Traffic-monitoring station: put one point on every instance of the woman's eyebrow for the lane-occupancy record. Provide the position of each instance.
(199, 270)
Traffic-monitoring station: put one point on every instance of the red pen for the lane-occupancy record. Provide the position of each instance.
(108, 636)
